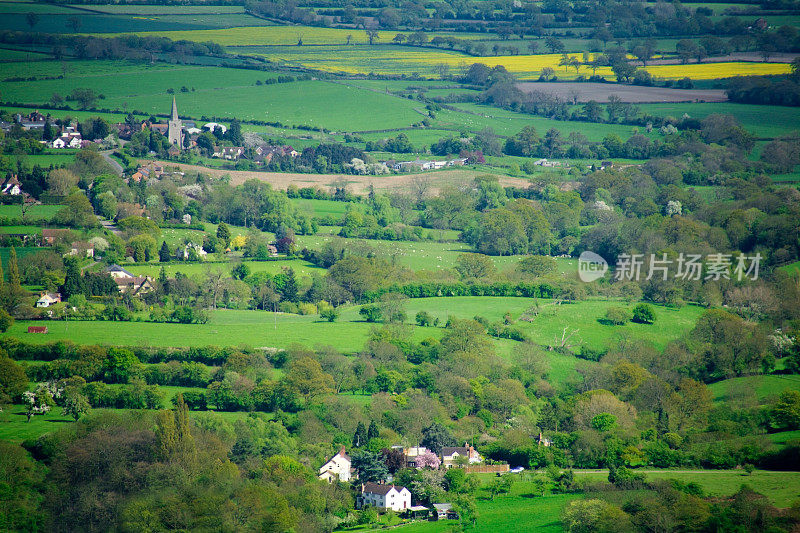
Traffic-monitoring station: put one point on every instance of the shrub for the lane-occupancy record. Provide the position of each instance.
(423, 318)
(330, 314)
(617, 315)
(644, 314)
(371, 313)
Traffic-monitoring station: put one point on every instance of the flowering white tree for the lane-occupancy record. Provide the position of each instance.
(428, 460)
(38, 402)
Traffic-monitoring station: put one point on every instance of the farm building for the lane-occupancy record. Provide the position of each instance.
(37, 329)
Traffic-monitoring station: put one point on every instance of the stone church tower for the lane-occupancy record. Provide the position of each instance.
(175, 132)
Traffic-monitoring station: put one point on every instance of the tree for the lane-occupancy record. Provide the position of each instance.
(604, 422)
(785, 413)
(501, 485)
(75, 23)
(554, 44)
(32, 19)
(369, 466)
(164, 254)
(435, 437)
(13, 380)
(617, 316)
(306, 378)
(644, 314)
(77, 212)
(37, 402)
(75, 404)
(60, 181)
(85, 97)
(686, 49)
(121, 365)
(371, 313)
(143, 248)
(423, 319)
(428, 460)
(6, 320)
(474, 266)
(224, 233)
(372, 431)
(372, 35)
(360, 436)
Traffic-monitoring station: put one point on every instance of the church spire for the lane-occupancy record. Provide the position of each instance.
(174, 109)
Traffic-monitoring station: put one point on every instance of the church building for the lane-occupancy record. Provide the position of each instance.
(175, 131)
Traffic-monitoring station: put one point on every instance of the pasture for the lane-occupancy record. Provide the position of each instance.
(762, 120)
(34, 211)
(782, 488)
(755, 389)
(599, 92)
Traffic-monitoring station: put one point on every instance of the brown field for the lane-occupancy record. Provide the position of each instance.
(599, 92)
(356, 184)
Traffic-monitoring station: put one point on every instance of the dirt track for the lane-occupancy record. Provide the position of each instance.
(600, 92)
(356, 184)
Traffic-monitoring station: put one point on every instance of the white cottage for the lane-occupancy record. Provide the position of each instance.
(338, 468)
(383, 496)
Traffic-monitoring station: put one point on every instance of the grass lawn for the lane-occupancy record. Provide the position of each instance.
(27, 230)
(320, 208)
(34, 211)
(782, 488)
(13, 425)
(764, 387)
(519, 510)
(301, 268)
(225, 328)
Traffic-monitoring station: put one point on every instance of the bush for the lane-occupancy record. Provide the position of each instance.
(644, 314)
(330, 314)
(423, 318)
(617, 316)
(6, 321)
(371, 313)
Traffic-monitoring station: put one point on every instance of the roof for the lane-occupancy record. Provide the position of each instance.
(450, 450)
(117, 268)
(380, 488)
(443, 506)
(417, 508)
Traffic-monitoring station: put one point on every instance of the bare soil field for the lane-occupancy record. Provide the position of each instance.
(599, 92)
(356, 184)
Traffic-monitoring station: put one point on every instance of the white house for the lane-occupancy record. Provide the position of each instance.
(338, 468)
(211, 126)
(47, 299)
(183, 253)
(411, 453)
(385, 496)
(451, 455)
(117, 272)
(68, 140)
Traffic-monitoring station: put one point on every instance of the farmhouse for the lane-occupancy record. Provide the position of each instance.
(338, 468)
(384, 496)
(68, 140)
(444, 511)
(48, 298)
(452, 456)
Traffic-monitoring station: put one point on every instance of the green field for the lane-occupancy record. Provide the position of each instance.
(34, 211)
(301, 268)
(762, 120)
(518, 510)
(320, 208)
(782, 488)
(764, 387)
(133, 86)
(27, 230)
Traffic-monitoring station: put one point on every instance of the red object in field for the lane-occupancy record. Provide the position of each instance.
(37, 329)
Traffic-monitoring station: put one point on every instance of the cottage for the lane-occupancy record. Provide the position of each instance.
(338, 468)
(48, 298)
(82, 249)
(184, 253)
(135, 285)
(383, 496)
(452, 456)
(12, 187)
(231, 153)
